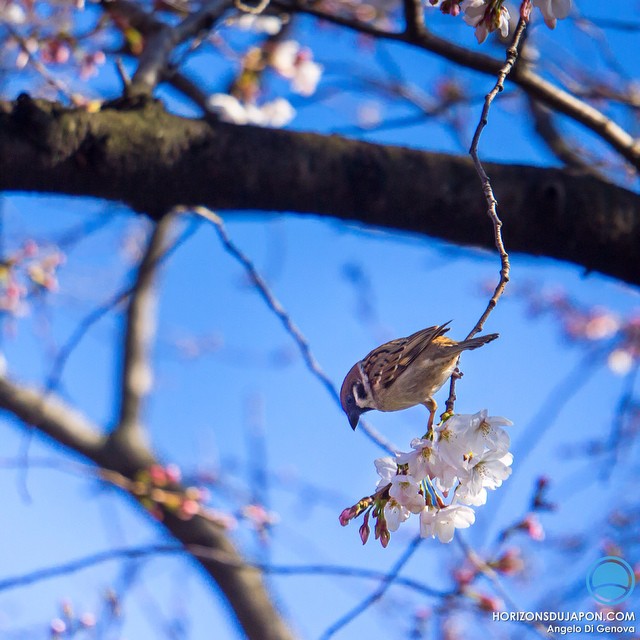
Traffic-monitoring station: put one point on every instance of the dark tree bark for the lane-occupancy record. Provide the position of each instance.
(152, 161)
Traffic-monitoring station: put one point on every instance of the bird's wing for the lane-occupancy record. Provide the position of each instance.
(384, 364)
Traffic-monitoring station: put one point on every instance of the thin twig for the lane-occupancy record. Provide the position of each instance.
(386, 582)
(533, 84)
(488, 572)
(87, 561)
(550, 408)
(290, 327)
(492, 203)
(134, 553)
(122, 73)
(64, 353)
(625, 402)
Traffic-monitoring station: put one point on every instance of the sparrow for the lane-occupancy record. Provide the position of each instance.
(404, 373)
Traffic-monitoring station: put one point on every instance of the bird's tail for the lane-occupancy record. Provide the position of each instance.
(474, 343)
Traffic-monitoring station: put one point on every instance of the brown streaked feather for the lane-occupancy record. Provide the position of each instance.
(383, 365)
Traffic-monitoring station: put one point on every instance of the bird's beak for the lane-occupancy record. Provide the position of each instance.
(354, 416)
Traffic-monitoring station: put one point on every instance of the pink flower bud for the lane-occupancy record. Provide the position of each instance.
(58, 626)
(188, 509)
(490, 603)
(88, 620)
(158, 475)
(346, 516)
(173, 473)
(364, 532)
(464, 576)
(30, 248)
(510, 562)
(531, 525)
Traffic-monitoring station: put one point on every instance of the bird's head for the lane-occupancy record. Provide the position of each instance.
(355, 395)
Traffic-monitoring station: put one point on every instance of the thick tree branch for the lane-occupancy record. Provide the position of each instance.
(52, 417)
(239, 582)
(152, 161)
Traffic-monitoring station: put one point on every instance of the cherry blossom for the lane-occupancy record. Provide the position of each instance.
(553, 10)
(488, 432)
(442, 523)
(474, 498)
(419, 460)
(296, 64)
(485, 17)
(406, 490)
(271, 25)
(449, 470)
(395, 514)
(276, 113)
(12, 13)
(489, 472)
(620, 361)
(387, 469)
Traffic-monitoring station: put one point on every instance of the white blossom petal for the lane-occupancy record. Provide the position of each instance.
(387, 469)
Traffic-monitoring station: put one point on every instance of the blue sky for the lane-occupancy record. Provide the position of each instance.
(198, 414)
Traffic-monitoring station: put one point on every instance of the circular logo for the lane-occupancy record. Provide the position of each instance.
(610, 580)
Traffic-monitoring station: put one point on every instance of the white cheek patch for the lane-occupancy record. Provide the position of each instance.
(362, 392)
(361, 401)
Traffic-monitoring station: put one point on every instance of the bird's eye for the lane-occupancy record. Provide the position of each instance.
(350, 400)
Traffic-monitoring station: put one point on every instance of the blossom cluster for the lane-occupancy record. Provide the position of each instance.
(69, 623)
(619, 337)
(26, 273)
(448, 472)
(276, 113)
(491, 15)
(45, 37)
(288, 60)
(158, 490)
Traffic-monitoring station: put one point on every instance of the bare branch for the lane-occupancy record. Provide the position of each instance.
(73, 566)
(125, 455)
(385, 583)
(562, 146)
(134, 553)
(154, 62)
(239, 582)
(492, 203)
(290, 327)
(161, 39)
(52, 417)
(492, 576)
(83, 326)
(140, 323)
(534, 85)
